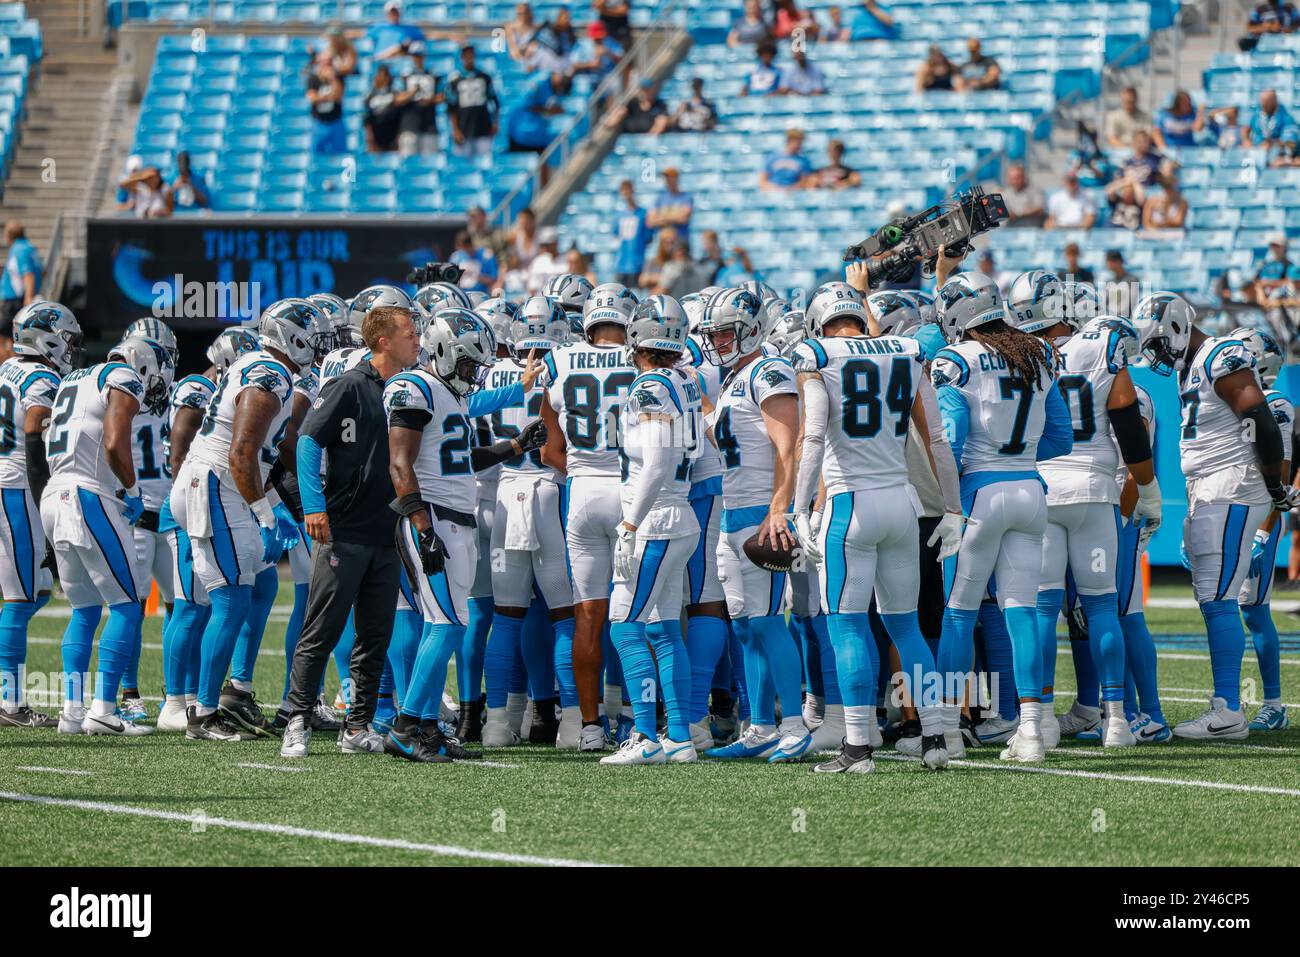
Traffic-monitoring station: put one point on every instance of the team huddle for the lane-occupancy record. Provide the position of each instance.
(658, 529)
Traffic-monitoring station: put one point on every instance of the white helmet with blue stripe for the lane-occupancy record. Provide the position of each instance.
(229, 346)
(610, 302)
(1036, 301)
(442, 295)
(291, 326)
(569, 289)
(459, 347)
(968, 300)
(48, 330)
(1268, 354)
(833, 301)
(737, 311)
(894, 310)
(151, 361)
(1163, 322)
(156, 331)
(1080, 302)
(540, 324)
(500, 314)
(789, 331)
(658, 323)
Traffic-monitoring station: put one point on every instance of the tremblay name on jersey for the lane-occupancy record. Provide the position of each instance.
(603, 359)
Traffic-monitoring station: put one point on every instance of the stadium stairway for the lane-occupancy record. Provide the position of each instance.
(65, 109)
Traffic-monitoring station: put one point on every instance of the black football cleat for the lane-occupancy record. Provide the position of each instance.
(211, 727)
(546, 725)
(968, 735)
(25, 717)
(413, 746)
(934, 753)
(242, 710)
(470, 726)
(892, 733)
(853, 759)
(450, 746)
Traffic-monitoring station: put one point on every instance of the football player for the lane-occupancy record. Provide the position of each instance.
(662, 430)
(868, 536)
(1003, 414)
(583, 399)
(755, 424)
(1232, 454)
(223, 503)
(183, 630)
(88, 508)
(433, 461)
(47, 346)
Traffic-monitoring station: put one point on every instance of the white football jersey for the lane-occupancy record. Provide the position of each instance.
(307, 384)
(709, 463)
(507, 422)
(443, 466)
(672, 394)
(1211, 438)
(192, 392)
(1089, 362)
(1006, 417)
(25, 384)
(748, 458)
(588, 386)
(74, 442)
(1284, 413)
(252, 370)
(150, 446)
(340, 361)
(870, 385)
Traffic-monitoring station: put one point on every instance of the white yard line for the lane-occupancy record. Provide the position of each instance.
(284, 830)
(269, 767)
(71, 772)
(485, 764)
(1188, 656)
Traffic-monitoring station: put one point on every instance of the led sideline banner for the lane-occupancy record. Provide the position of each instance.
(203, 272)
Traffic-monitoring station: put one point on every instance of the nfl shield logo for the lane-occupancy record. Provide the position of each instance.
(334, 561)
(519, 496)
(63, 496)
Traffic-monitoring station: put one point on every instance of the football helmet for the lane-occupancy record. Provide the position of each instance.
(1163, 322)
(789, 331)
(894, 310)
(540, 324)
(968, 300)
(924, 304)
(157, 331)
(1036, 301)
(831, 301)
(335, 311)
(761, 290)
(569, 290)
(736, 311)
(1080, 302)
(608, 302)
(292, 327)
(500, 314)
(1128, 337)
(658, 323)
(49, 331)
(229, 346)
(460, 349)
(1268, 354)
(374, 296)
(442, 295)
(151, 361)
(693, 305)
(476, 297)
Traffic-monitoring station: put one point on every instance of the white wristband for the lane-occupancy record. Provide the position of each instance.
(265, 515)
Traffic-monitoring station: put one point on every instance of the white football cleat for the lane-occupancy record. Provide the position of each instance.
(792, 745)
(1117, 733)
(1148, 730)
(497, 732)
(1079, 718)
(72, 721)
(113, 725)
(1024, 749)
(516, 710)
(638, 749)
(172, 717)
(829, 735)
(1216, 723)
(996, 729)
(1049, 726)
(814, 710)
(297, 734)
(570, 733)
(525, 719)
(679, 752)
(592, 738)
(954, 744)
(701, 736)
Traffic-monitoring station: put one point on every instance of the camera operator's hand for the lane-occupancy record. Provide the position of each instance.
(945, 265)
(855, 274)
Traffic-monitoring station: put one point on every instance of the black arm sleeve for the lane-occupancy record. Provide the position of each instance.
(38, 470)
(485, 456)
(1268, 438)
(414, 419)
(1131, 433)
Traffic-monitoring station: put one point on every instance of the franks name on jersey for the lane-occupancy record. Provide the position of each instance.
(871, 385)
(24, 385)
(74, 442)
(442, 467)
(748, 458)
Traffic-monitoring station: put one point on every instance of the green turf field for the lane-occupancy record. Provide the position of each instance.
(79, 800)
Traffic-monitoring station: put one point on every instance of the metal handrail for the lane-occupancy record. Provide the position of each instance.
(634, 60)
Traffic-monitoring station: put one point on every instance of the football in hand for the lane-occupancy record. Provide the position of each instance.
(771, 557)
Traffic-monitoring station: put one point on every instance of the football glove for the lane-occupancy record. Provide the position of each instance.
(286, 527)
(134, 506)
(1285, 497)
(532, 436)
(1147, 509)
(272, 547)
(948, 535)
(803, 531)
(433, 555)
(1183, 556)
(815, 523)
(624, 553)
(1257, 553)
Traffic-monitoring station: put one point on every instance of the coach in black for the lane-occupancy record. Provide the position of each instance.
(351, 525)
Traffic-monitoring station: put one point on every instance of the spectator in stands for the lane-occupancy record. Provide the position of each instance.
(787, 168)
(750, 27)
(1026, 204)
(1167, 209)
(1286, 151)
(189, 189)
(1122, 123)
(802, 77)
(519, 33)
(697, 114)
(789, 21)
(133, 164)
(1222, 127)
(737, 268)
(680, 275)
(325, 94)
(835, 31)
(553, 44)
(1272, 16)
(936, 73)
(979, 72)
(21, 280)
(665, 242)
(597, 53)
(870, 21)
(834, 175)
(343, 55)
(419, 122)
(1120, 292)
(1070, 207)
(522, 239)
(614, 15)
(548, 263)
(1178, 124)
(634, 237)
(577, 263)
(389, 39)
(481, 231)
(645, 113)
(529, 127)
(150, 196)
(472, 107)
(765, 78)
(1088, 161)
(384, 108)
(672, 207)
(711, 258)
(1073, 270)
(1276, 270)
(1126, 198)
(1267, 121)
(1144, 165)
(478, 266)
(988, 267)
